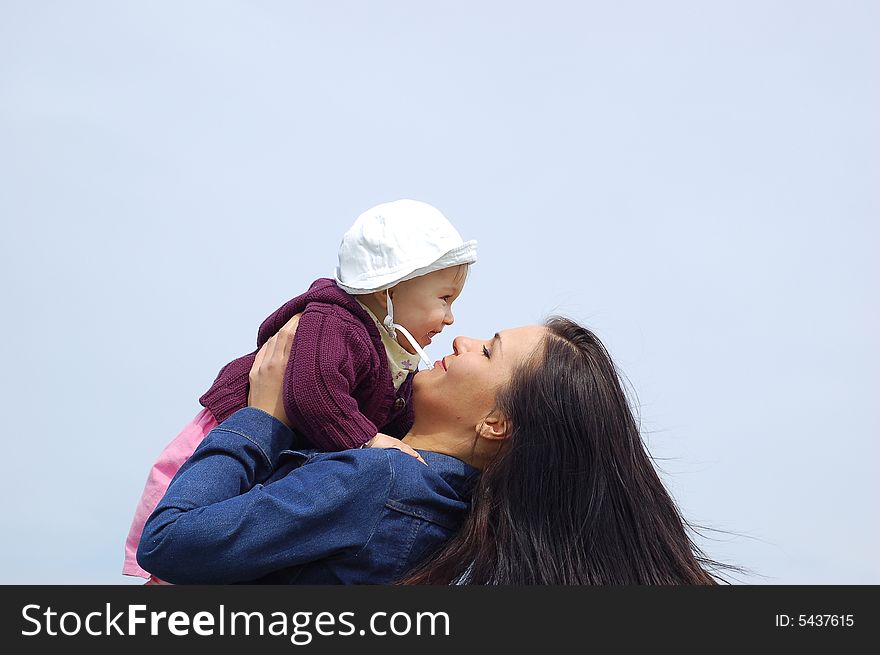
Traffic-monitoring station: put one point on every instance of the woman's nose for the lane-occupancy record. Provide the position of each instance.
(462, 345)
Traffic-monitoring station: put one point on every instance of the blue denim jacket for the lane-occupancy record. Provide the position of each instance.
(245, 507)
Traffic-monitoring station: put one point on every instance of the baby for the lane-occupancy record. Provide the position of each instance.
(349, 377)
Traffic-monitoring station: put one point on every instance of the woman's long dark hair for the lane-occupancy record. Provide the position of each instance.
(573, 497)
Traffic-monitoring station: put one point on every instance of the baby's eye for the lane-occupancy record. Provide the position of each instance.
(485, 352)
(445, 298)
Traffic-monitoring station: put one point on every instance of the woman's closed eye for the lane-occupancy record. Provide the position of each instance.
(485, 352)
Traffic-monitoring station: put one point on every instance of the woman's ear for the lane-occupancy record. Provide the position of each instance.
(494, 427)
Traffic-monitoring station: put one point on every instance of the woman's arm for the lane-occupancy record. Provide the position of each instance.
(218, 523)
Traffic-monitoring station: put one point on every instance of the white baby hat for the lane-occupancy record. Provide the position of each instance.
(397, 241)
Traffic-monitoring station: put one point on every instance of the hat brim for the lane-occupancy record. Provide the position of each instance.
(466, 253)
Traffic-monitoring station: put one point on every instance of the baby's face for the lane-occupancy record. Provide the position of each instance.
(423, 305)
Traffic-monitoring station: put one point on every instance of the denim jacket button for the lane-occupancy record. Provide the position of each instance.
(399, 404)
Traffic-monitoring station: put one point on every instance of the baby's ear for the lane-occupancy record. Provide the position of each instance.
(379, 297)
(495, 427)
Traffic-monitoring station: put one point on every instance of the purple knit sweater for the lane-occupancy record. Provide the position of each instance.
(338, 391)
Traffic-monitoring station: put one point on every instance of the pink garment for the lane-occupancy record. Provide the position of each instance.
(169, 462)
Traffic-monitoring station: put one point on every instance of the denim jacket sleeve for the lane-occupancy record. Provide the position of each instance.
(219, 523)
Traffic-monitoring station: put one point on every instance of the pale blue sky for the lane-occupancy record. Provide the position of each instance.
(696, 181)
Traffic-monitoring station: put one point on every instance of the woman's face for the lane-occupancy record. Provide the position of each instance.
(462, 386)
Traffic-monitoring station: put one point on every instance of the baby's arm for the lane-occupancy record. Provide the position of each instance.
(329, 358)
(266, 393)
(384, 441)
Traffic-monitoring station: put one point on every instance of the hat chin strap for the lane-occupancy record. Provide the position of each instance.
(391, 326)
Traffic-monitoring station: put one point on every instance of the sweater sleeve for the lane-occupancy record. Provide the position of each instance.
(328, 359)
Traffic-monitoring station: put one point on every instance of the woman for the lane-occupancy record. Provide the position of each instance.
(567, 494)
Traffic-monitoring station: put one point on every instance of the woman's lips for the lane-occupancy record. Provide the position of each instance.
(441, 362)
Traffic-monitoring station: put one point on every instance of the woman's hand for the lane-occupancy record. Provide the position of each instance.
(267, 373)
(385, 441)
